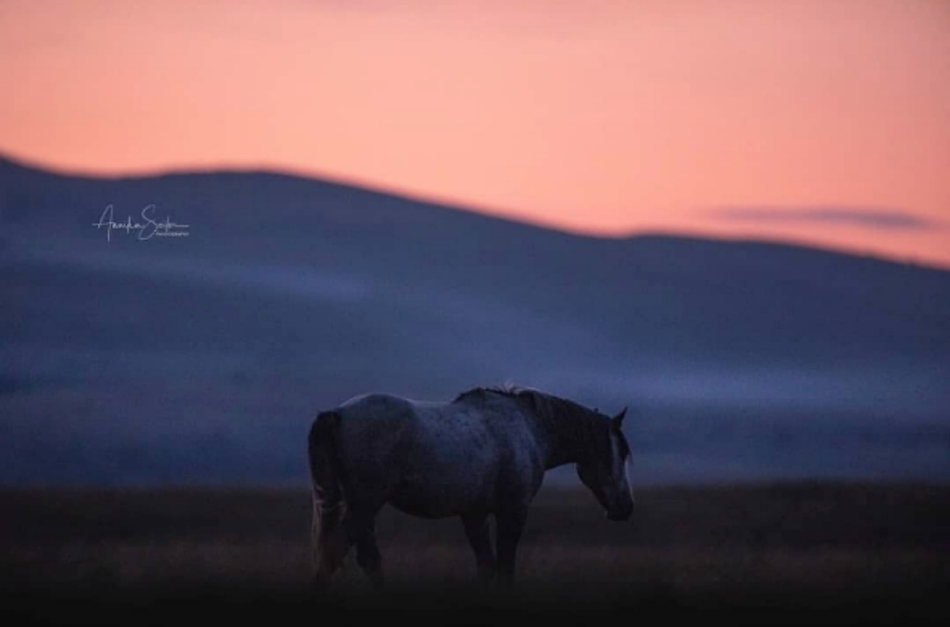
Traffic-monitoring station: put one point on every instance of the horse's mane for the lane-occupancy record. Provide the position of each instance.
(514, 391)
(547, 406)
(579, 424)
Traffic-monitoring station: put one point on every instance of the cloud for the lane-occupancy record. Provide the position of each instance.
(885, 219)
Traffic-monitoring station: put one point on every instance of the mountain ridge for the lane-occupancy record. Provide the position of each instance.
(272, 175)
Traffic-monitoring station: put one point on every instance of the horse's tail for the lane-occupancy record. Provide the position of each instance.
(326, 476)
(323, 452)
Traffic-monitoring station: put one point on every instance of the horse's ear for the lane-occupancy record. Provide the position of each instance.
(618, 419)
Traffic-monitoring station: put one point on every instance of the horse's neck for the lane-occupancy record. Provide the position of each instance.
(564, 440)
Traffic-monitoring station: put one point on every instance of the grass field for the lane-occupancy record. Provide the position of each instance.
(787, 552)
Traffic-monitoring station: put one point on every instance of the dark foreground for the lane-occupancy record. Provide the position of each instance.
(784, 553)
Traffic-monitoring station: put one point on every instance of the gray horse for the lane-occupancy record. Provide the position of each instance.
(483, 453)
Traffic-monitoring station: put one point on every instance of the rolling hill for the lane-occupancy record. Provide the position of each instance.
(202, 358)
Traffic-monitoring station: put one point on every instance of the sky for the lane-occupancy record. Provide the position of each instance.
(824, 122)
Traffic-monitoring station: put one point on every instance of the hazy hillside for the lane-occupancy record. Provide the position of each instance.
(203, 358)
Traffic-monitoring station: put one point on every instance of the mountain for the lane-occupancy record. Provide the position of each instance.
(132, 357)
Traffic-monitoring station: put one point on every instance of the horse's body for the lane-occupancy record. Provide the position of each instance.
(485, 453)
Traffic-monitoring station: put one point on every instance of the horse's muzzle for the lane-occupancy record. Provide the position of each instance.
(620, 514)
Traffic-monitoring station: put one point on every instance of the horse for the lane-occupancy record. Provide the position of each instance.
(484, 453)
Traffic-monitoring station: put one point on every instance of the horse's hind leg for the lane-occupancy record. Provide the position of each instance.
(360, 526)
(479, 536)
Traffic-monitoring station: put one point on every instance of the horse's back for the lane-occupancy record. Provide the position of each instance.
(428, 458)
(381, 428)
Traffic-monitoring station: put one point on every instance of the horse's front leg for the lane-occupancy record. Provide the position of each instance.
(510, 524)
(479, 536)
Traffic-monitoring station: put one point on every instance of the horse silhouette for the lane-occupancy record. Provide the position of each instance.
(484, 453)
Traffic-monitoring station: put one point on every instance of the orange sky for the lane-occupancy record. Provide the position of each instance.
(606, 117)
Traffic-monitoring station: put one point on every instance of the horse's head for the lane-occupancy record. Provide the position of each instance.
(604, 469)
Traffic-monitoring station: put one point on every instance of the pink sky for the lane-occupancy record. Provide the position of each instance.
(603, 117)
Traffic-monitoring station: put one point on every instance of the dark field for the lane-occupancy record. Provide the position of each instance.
(789, 552)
